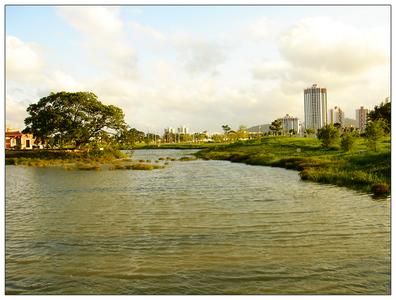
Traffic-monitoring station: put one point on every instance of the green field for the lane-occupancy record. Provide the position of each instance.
(363, 170)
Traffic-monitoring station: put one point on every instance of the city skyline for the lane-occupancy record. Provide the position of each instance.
(163, 66)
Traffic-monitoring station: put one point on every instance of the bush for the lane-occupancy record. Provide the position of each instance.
(348, 140)
(329, 136)
(380, 189)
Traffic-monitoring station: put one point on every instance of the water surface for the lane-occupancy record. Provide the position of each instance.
(196, 227)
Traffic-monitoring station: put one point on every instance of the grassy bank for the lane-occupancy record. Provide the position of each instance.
(362, 169)
(76, 160)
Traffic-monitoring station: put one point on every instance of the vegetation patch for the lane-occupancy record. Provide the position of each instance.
(135, 166)
(187, 158)
(87, 167)
(358, 167)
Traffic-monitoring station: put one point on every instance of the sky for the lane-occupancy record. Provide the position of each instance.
(199, 66)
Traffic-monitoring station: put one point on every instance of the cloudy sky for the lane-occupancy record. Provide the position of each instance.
(200, 66)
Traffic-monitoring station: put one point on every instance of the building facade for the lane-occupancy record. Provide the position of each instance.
(337, 115)
(290, 123)
(315, 107)
(14, 139)
(361, 118)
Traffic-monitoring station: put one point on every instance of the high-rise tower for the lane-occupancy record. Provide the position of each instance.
(361, 118)
(315, 107)
(337, 115)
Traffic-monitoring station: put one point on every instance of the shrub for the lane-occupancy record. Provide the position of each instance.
(380, 189)
(329, 136)
(348, 140)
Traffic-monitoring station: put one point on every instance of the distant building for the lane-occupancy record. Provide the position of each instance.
(337, 115)
(289, 123)
(361, 118)
(182, 130)
(14, 139)
(315, 107)
(169, 130)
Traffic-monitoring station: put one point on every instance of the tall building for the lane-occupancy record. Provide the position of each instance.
(182, 130)
(361, 118)
(315, 107)
(289, 122)
(169, 130)
(337, 115)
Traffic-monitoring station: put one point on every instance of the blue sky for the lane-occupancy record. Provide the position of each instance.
(200, 66)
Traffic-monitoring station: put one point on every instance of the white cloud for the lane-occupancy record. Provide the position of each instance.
(61, 81)
(322, 43)
(104, 37)
(23, 60)
(147, 30)
(262, 28)
(93, 20)
(199, 55)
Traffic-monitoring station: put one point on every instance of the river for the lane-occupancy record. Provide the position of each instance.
(194, 227)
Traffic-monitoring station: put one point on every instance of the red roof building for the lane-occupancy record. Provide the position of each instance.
(14, 139)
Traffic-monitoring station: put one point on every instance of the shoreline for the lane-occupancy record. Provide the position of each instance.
(362, 170)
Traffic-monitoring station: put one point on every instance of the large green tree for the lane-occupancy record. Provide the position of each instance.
(73, 119)
(382, 111)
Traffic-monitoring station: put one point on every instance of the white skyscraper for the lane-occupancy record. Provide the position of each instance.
(182, 129)
(336, 115)
(169, 130)
(361, 118)
(289, 122)
(315, 107)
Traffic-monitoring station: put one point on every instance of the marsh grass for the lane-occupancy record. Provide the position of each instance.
(70, 160)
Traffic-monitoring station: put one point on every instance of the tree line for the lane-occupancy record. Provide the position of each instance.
(80, 120)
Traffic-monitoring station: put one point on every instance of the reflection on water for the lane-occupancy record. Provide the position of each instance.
(197, 227)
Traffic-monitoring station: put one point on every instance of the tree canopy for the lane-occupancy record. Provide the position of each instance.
(375, 130)
(65, 118)
(276, 126)
(382, 111)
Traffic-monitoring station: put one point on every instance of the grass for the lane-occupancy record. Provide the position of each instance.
(136, 166)
(362, 169)
(83, 161)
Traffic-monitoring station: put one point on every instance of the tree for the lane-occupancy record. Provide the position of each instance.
(128, 138)
(329, 136)
(292, 131)
(72, 119)
(242, 132)
(375, 130)
(348, 140)
(276, 127)
(309, 131)
(383, 111)
(226, 129)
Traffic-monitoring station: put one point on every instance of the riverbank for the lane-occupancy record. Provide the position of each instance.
(361, 170)
(77, 160)
(87, 161)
